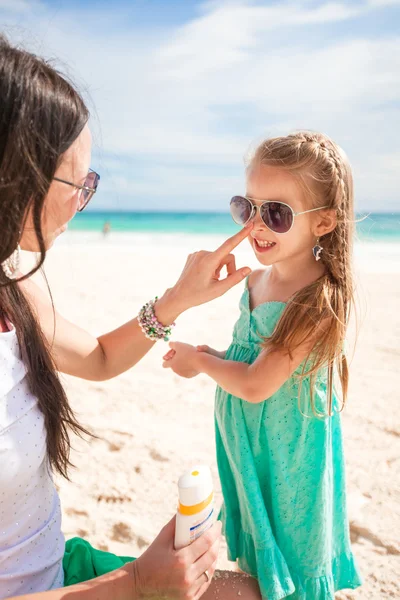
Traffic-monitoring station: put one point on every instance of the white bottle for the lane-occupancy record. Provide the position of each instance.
(196, 505)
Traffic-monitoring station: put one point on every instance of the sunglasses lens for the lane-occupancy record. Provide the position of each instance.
(277, 216)
(241, 209)
(91, 181)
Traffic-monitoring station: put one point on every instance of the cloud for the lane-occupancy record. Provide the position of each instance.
(19, 6)
(178, 106)
(383, 3)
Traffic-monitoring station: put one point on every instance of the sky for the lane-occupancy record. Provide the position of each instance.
(179, 91)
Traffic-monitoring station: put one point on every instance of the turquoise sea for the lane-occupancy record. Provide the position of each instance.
(372, 227)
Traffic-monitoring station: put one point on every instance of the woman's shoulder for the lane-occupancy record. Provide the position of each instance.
(3, 324)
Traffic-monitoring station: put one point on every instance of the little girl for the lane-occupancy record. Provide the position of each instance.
(277, 413)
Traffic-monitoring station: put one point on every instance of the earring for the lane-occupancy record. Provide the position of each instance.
(11, 265)
(317, 250)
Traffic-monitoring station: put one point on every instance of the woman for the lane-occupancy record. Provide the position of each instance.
(45, 147)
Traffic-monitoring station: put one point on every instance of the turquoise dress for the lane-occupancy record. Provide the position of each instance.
(282, 475)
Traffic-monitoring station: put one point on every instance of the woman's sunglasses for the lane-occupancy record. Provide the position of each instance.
(277, 216)
(87, 190)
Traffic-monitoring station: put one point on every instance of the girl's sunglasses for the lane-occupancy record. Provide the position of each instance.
(277, 216)
(87, 190)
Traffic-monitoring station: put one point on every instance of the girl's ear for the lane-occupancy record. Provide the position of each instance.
(325, 222)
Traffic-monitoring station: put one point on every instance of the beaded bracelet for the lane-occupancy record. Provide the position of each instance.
(150, 325)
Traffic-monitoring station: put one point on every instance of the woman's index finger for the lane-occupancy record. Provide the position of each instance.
(231, 243)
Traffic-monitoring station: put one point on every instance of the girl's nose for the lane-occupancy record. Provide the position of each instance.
(258, 223)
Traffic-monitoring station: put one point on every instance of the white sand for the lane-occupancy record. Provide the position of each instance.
(152, 425)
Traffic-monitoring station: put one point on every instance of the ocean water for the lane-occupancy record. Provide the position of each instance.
(379, 227)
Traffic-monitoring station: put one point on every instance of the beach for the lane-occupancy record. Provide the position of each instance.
(152, 425)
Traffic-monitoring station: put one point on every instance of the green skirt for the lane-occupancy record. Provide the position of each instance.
(83, 562)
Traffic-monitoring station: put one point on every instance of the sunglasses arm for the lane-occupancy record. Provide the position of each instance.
(310, 210)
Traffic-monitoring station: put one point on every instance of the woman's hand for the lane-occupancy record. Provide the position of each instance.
(162, 573)
(199, 281)
(181, 358)
(79, 353)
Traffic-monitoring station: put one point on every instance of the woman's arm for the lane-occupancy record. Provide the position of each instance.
(164, 573)
(118, 585)
(77, 352)
(160, 572)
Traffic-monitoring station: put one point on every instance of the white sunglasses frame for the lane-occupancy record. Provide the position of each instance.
(256, 207)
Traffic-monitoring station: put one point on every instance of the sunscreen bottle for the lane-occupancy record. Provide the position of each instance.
(196, 505)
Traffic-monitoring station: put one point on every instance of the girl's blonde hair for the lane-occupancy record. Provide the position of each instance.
(324, 172)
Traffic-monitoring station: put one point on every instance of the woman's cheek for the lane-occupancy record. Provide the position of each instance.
(64, 212)
(73, 207)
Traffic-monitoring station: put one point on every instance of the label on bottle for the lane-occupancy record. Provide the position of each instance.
(201, 527)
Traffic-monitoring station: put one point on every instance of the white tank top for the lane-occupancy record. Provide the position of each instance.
(31, 542)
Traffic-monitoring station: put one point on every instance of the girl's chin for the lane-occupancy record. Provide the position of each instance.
(265, 261)
(265, 256)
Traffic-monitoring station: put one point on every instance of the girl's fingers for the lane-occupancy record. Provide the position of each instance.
(203, 348)
(170, 354)
(209, 350)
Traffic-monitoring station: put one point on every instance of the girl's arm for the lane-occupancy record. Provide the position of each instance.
(77, 352)
(253, 383)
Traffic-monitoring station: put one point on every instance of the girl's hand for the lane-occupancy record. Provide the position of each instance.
(162, 573)
(208, 350)
(181, 359)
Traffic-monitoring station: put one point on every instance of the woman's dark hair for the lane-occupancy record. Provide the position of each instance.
(41, 115)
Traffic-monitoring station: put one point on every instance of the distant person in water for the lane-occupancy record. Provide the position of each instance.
(106, 228)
